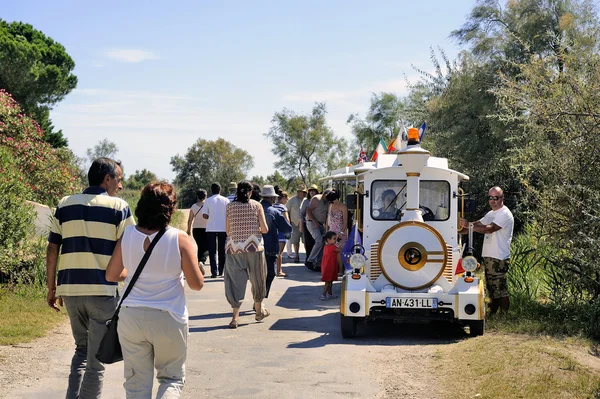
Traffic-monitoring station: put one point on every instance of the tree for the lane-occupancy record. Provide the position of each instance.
(207, 162)
(104, 148)
(139, 179)
(304, 144)
(383, 121)
(37, 71)
(554, 118)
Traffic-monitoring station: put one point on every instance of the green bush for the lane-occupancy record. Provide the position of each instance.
(16, 223)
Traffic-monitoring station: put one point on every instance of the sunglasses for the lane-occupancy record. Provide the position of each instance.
(494, 197)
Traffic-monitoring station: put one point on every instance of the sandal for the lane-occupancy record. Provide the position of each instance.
(264, 313)
(281, 274)
(233, 324)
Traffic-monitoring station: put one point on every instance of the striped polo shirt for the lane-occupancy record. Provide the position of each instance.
(86, 226)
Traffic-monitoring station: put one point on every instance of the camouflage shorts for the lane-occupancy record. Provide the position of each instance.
(495, 277)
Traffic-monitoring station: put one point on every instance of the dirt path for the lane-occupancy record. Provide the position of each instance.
(296, 353)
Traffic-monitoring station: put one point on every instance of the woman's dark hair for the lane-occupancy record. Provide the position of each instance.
(156, 206)
(332, 196)
(283, 194)
(241, 193)
(328, 235)
(278, 190)
(255, 192)
(100, 168)
(201, 194)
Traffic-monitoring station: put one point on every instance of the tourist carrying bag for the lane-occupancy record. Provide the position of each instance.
(110, 348)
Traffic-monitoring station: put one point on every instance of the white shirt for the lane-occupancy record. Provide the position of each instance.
(160, 285)
(215, 207)
(199, 222)
(497, 244)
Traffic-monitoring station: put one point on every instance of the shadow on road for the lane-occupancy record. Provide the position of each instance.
(376, 333)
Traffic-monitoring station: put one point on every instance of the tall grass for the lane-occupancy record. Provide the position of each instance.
(535, 307)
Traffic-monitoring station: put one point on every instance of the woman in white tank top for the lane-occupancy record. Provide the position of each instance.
(153, 321)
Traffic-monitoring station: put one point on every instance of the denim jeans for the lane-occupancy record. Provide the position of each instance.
(88, 316)
(212, 237)
(317, 232)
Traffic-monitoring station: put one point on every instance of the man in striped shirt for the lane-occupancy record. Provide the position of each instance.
(85, 230)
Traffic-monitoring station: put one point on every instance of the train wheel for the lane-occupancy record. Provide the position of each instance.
(477, 327)
(348, 326)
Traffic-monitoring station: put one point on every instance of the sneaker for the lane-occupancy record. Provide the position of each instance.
(291, 255)
(323, 298)
(309, 265)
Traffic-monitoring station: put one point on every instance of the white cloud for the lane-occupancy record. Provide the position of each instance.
(130, 55)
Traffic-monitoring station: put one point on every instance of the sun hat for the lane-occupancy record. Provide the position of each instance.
(268, 191)
(314, 187)
(232, 185)
(301, 187)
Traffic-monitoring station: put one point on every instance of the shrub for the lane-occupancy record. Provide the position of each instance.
(48, 173)
(16, 223)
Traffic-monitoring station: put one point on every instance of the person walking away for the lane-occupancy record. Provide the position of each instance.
(245, 224)
(316, 216)
(282, 200)
(309, 241)
(497, 225)
(276, 223)
(232, 189)
(293, 206)
(85, 229)
(214, 211)
(337, 221)
(329, 265)
(153, 320)
(197, 226)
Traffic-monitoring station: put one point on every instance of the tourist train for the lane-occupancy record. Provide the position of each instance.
(405, 264)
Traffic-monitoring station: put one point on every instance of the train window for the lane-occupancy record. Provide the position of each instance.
(388, 198)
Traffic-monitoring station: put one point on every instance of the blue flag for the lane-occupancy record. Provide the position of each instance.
(422, 131)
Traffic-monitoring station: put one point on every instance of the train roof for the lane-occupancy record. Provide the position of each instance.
(386, 161)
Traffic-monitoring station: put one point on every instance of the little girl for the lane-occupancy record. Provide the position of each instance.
(329, 264)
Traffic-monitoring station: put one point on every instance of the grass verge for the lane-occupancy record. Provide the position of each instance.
(24, 314)
(518, 366)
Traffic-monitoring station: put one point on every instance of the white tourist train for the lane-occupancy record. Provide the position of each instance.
(407, 206)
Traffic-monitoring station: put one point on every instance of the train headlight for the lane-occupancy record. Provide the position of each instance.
(469, 263)
(358, 261)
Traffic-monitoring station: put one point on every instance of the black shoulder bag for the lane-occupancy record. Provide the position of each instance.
(110, 348)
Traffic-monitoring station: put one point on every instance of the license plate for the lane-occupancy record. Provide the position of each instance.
(430, 303)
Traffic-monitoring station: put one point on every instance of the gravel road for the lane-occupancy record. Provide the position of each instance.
(297, 352)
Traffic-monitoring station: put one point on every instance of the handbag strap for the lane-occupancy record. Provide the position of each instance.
(140, 267)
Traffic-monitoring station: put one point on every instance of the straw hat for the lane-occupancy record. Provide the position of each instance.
(233, 185)
(268, 191)
(314, 187)
(301, 187)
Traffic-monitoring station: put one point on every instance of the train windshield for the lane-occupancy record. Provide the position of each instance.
(389, 199)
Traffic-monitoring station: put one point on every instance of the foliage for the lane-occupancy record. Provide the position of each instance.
(37, 71)
(383, 121)
(305, 146)
(16, 223)
(104, 148)
(46, 171)
(139, 179)
(207, 162)
(558, 160)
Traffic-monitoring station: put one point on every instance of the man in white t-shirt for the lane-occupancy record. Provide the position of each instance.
(497, 225)
(214, 210)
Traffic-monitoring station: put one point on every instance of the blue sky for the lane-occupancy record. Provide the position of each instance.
(154, 76)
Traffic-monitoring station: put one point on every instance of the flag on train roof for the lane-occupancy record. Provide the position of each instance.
(379, 150)
(422, 131)
(392, 146)
(362, 155)
(396, 144)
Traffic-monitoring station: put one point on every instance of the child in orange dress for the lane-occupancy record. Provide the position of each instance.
(329, 264)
